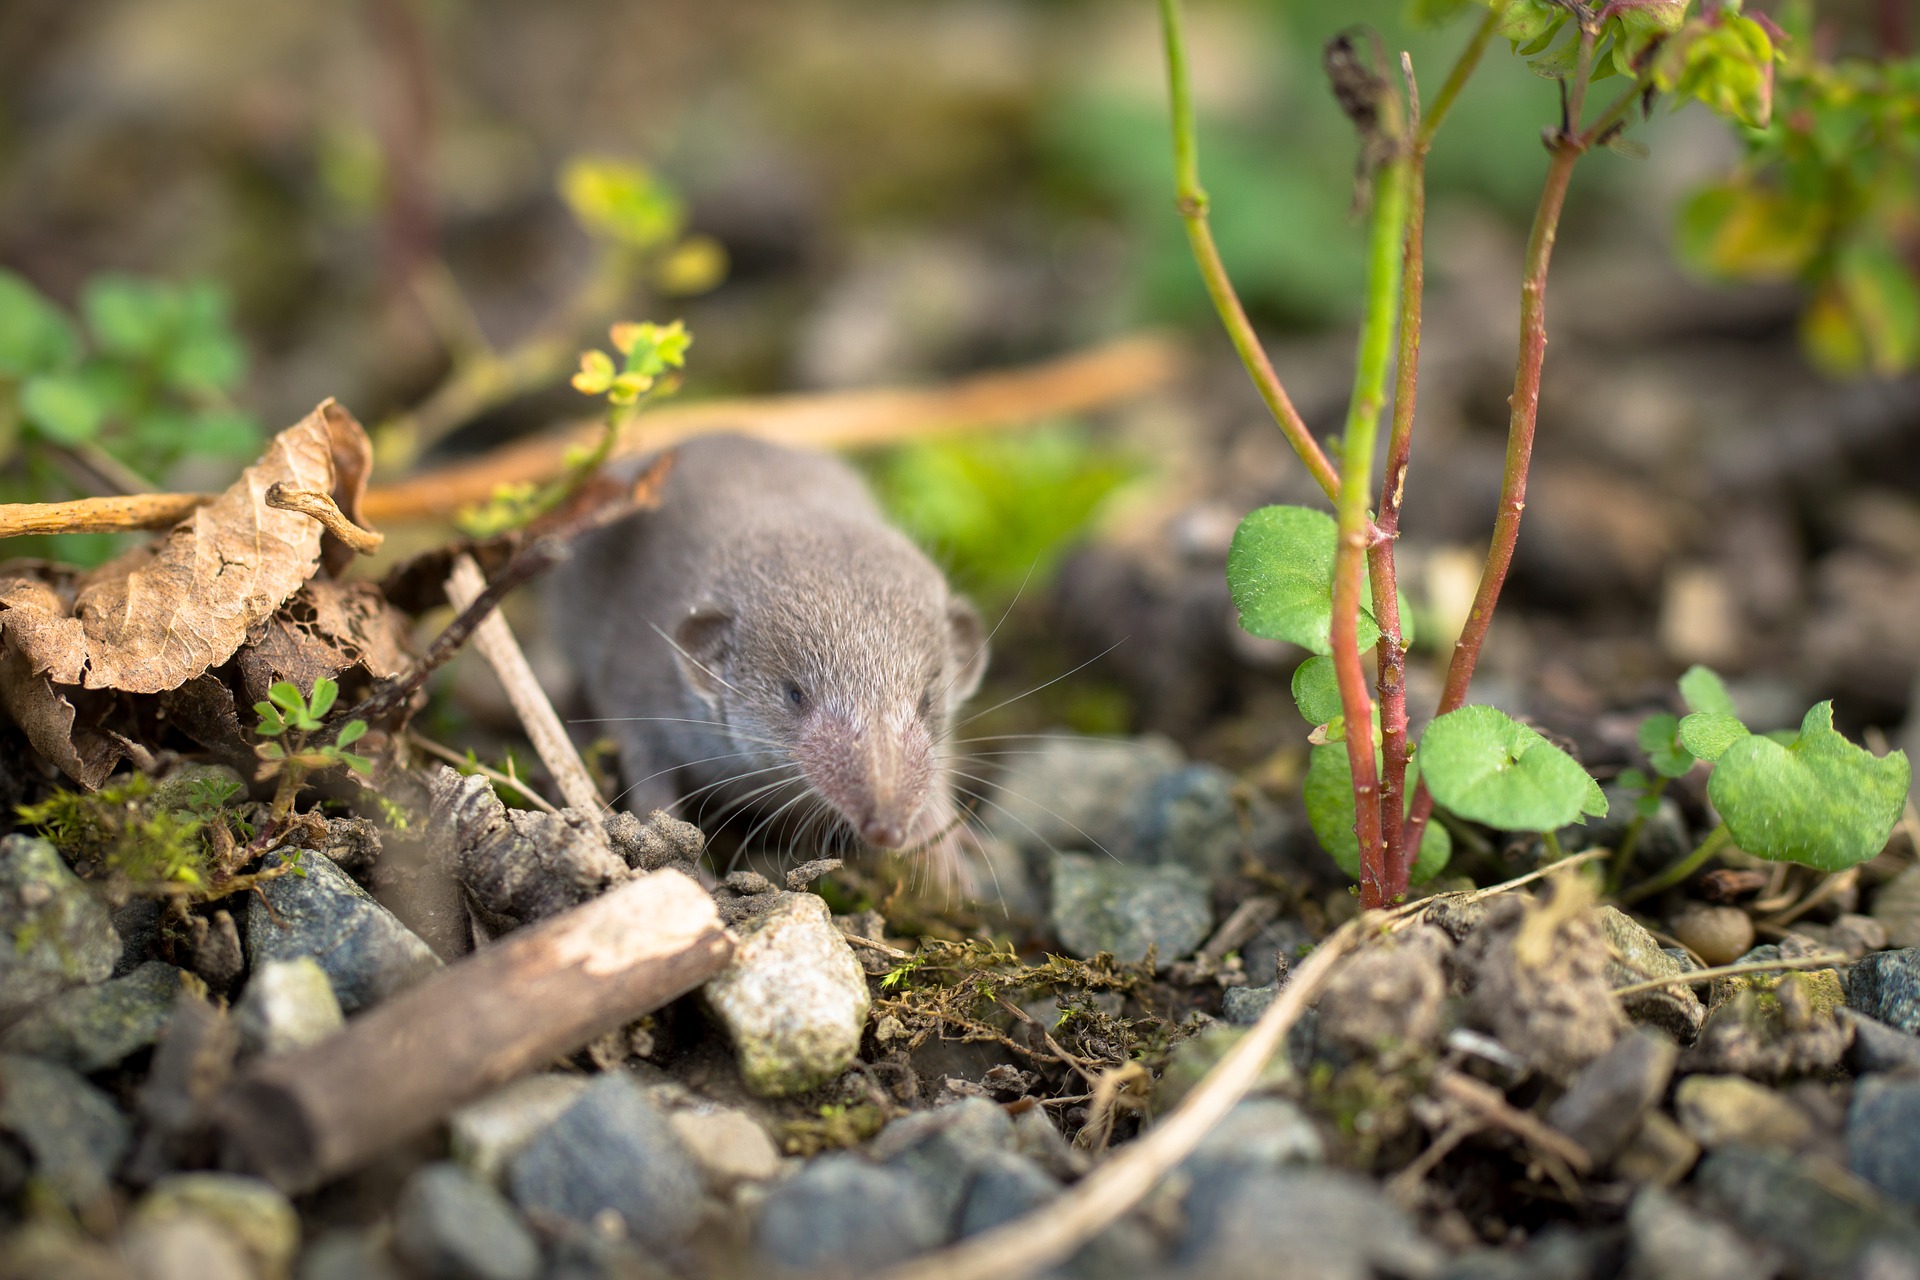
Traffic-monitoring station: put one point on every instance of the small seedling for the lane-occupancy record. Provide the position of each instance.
(290, 719)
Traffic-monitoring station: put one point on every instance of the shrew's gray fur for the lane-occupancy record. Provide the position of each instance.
(811, 644)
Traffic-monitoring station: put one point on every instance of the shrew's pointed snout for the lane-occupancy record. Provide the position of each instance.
(884, 831)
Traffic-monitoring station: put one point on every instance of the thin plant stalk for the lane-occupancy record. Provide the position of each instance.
(1190, 198)
(1717, 839)
(1396, 746)
(1385, 249)
(1566, 147)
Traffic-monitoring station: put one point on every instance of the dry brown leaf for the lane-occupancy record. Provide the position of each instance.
(326, 629)
(34, 599)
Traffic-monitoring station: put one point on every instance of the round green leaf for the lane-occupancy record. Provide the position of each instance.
(1488, 767)
(1707, 734)
(1316, 690)
(62, 408)
(1329, 797)
(1822, 801)
(34, 335)
(129, 317)
(1702, 690)
(1280, 571)
(1659, 739)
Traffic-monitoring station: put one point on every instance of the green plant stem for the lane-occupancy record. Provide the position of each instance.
(1190, 198)
(1385, 249)
(1630, 839)
(1565, 148)
(1552, 840)
(1717, 839)
(1396, 745)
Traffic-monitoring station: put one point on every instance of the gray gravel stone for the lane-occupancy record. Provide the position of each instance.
(1101, 905)
(1878, 1047)
(611, 1150)
(92, 1028)
(1896, 905)
(1258, 1134)
(793, 1000)
(44, 1250)
(1193, 817)
(1004, 1187)
(484, 1135)
(54, 934)
(349, 1255)
(367, 953)
(1299, 1225)
(1886, 985)
(1668, 1241)
(1072, 793)
(249, 1210)
(1883, 1135)
(1242, 1006)
(1720, 1111)
(1821, 1217)
(186, 1247)
(288, 1004)
(1676, 1010)
(72, 1130)
(451, 1226)
(729, 1146)
(1388, 999)
(941, 1150)
(1604, 1105)
(844, 1215)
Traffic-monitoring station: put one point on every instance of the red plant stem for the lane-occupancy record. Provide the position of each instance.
(1525, 405)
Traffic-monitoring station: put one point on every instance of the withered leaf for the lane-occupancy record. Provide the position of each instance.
(162, 614)
(326, 629)
(37, 642)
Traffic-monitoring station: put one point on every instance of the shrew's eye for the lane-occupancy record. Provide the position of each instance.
(796, 696)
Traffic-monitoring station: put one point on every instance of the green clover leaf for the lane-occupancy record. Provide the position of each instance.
(1280, 571)
(1488, 767)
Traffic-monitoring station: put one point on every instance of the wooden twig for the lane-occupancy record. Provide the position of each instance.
(300, 1118)
(1824, 961)
(100, 515)
(1075, 383)
(1050, 1234)
(321, 507)
(494, 641)
(504, 779)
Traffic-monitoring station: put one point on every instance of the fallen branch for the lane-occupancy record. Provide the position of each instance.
(494, 641)
(1076, 383)
(1053, 1232)
(321, 507)
(100, 515)
(300, 1118)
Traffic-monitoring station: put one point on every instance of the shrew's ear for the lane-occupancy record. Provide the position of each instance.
(966, 648)
(703, 641)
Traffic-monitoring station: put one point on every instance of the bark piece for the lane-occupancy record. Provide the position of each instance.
(517, 866)
(303, 1117)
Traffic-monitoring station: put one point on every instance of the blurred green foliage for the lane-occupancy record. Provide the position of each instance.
(996, 509)
(1829, 196)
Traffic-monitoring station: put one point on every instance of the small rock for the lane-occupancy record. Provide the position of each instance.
(794, 1000)
(728, 1145)
(1242, 1006)
(1073, 792)
(612, 1150)
(218, 960)
(1604, 1105)
(1897, 907)
(1300, 1223)
(660, 842)
(349, 1255)
(1663, 837)
(940, 1150)
(92, 1028)
(843, 1214)
(1774, 1026)
(1035, 1137)
(1270, 954)
(72, 1130)
(1659, 1154)
(485, 1135)
(252, 1212)
(1886, 985)
(1674, 1009)
(1004, 1187)
(1195, 1056)
(452, 1226)
(366, 952)
(1259, 1134)
(1816, 1213)
(1199, 817)
(1719, 1111)
(137, 921)
(1878, 1047)
(1883, 1136)
(288, 1004)
(1388, 1000)
(1101, 905)
(1540, 981)
(43, 1251)
(1668, 1241)
(186, 1247)
(54, 934)
(1851, 935)
(1718, 935)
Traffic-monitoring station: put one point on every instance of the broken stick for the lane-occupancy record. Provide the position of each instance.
(300, 1118)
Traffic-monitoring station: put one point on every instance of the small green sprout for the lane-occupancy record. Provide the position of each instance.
(288, 717)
